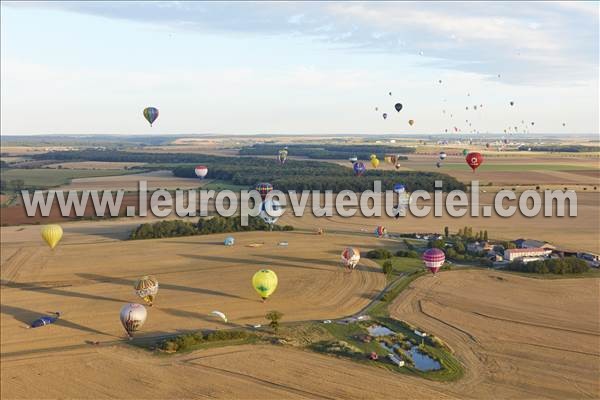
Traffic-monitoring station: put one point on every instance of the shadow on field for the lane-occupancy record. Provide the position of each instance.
(200, 243)
(30, 287)
(169, 286)
(28, 316)
(288, 261)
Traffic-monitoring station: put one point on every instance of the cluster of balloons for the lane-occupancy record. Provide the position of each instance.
(134, 315)
(398, 107)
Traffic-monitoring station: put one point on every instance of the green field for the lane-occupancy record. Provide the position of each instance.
(41, 178)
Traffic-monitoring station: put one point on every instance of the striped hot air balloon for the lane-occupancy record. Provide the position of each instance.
(380, 231)
(146, 288)
(433, 259)
(263, 189)
(150, 113)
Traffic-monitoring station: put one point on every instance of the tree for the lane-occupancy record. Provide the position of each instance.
(446, 231)
(485, 235)
(388, 267)
(274, 317)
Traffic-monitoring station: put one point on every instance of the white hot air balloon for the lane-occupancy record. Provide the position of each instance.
(133, 316)
(220, 315)
(201, 171)
(270, 211)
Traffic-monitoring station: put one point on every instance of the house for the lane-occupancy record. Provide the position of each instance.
(477, 247)
(526, 253)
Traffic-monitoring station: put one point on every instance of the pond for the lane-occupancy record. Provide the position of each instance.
(421, 360)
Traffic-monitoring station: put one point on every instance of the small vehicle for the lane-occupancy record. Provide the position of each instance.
(327, 321)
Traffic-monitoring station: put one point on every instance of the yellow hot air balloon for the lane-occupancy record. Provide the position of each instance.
(375, 162)
(52, 234)
(265, 283)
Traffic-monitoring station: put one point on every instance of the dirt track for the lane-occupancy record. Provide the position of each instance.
(518, 337)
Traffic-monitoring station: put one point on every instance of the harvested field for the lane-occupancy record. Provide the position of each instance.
(101, 165)
(155, 180)
(518, 337)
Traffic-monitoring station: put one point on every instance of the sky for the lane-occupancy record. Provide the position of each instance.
(299, 67)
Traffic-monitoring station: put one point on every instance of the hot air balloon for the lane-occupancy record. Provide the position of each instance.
(487, 145)
(438, 164)
(263, 189)
(465, 152)
(265, 283)
(353, 159)
(512, 103)
(133, 316)
(384, 115)
(532, 123)
(433, 259)
(443, 155)
(564, 124)
(150, 113)
(146, 288)
(52, 234)
(398, 165)
(398, 107)
(390, 93)
(270, 211)
(45, 320)
(359, 168)
(219, 314)
(375, 162)
(376, 108)
(229, 241)
(474, 160)
(282, 156)
(399, 188)
(380, 231)
(201, 171)
(350, 257)
(440, 81)
(411, 122)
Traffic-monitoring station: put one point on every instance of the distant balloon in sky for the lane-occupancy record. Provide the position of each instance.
(390, 93)
(150, 113)
(512, 103)
(421, 53)
(398, 107)
(411, 122)
(384, 115)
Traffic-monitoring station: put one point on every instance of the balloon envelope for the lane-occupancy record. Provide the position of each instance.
(474, 160)
(150, 113)
(375, 162)
(132, 317)
(264, 282)
(359, 168)
(263, 189)
(282, 156)
(201, 171)
(219, 314)
(146, 288)
(380, 231)
(433, 259)
(229, 241)
(411, 122)
(52, 234)
(350, 257)
(398, 107)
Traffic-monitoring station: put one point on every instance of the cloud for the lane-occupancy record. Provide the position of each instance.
(526, 42)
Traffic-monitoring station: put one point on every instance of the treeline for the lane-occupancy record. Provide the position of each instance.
(574, 148)
(326, 151)
(567, 265)
(204, 226)
(247, 171)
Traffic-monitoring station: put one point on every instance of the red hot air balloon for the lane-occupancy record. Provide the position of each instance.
(474, 160)
(433, 259)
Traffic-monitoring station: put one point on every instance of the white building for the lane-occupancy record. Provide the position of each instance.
(526, 254)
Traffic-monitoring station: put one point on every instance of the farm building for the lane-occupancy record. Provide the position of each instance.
(533, 244)
(525, 253)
